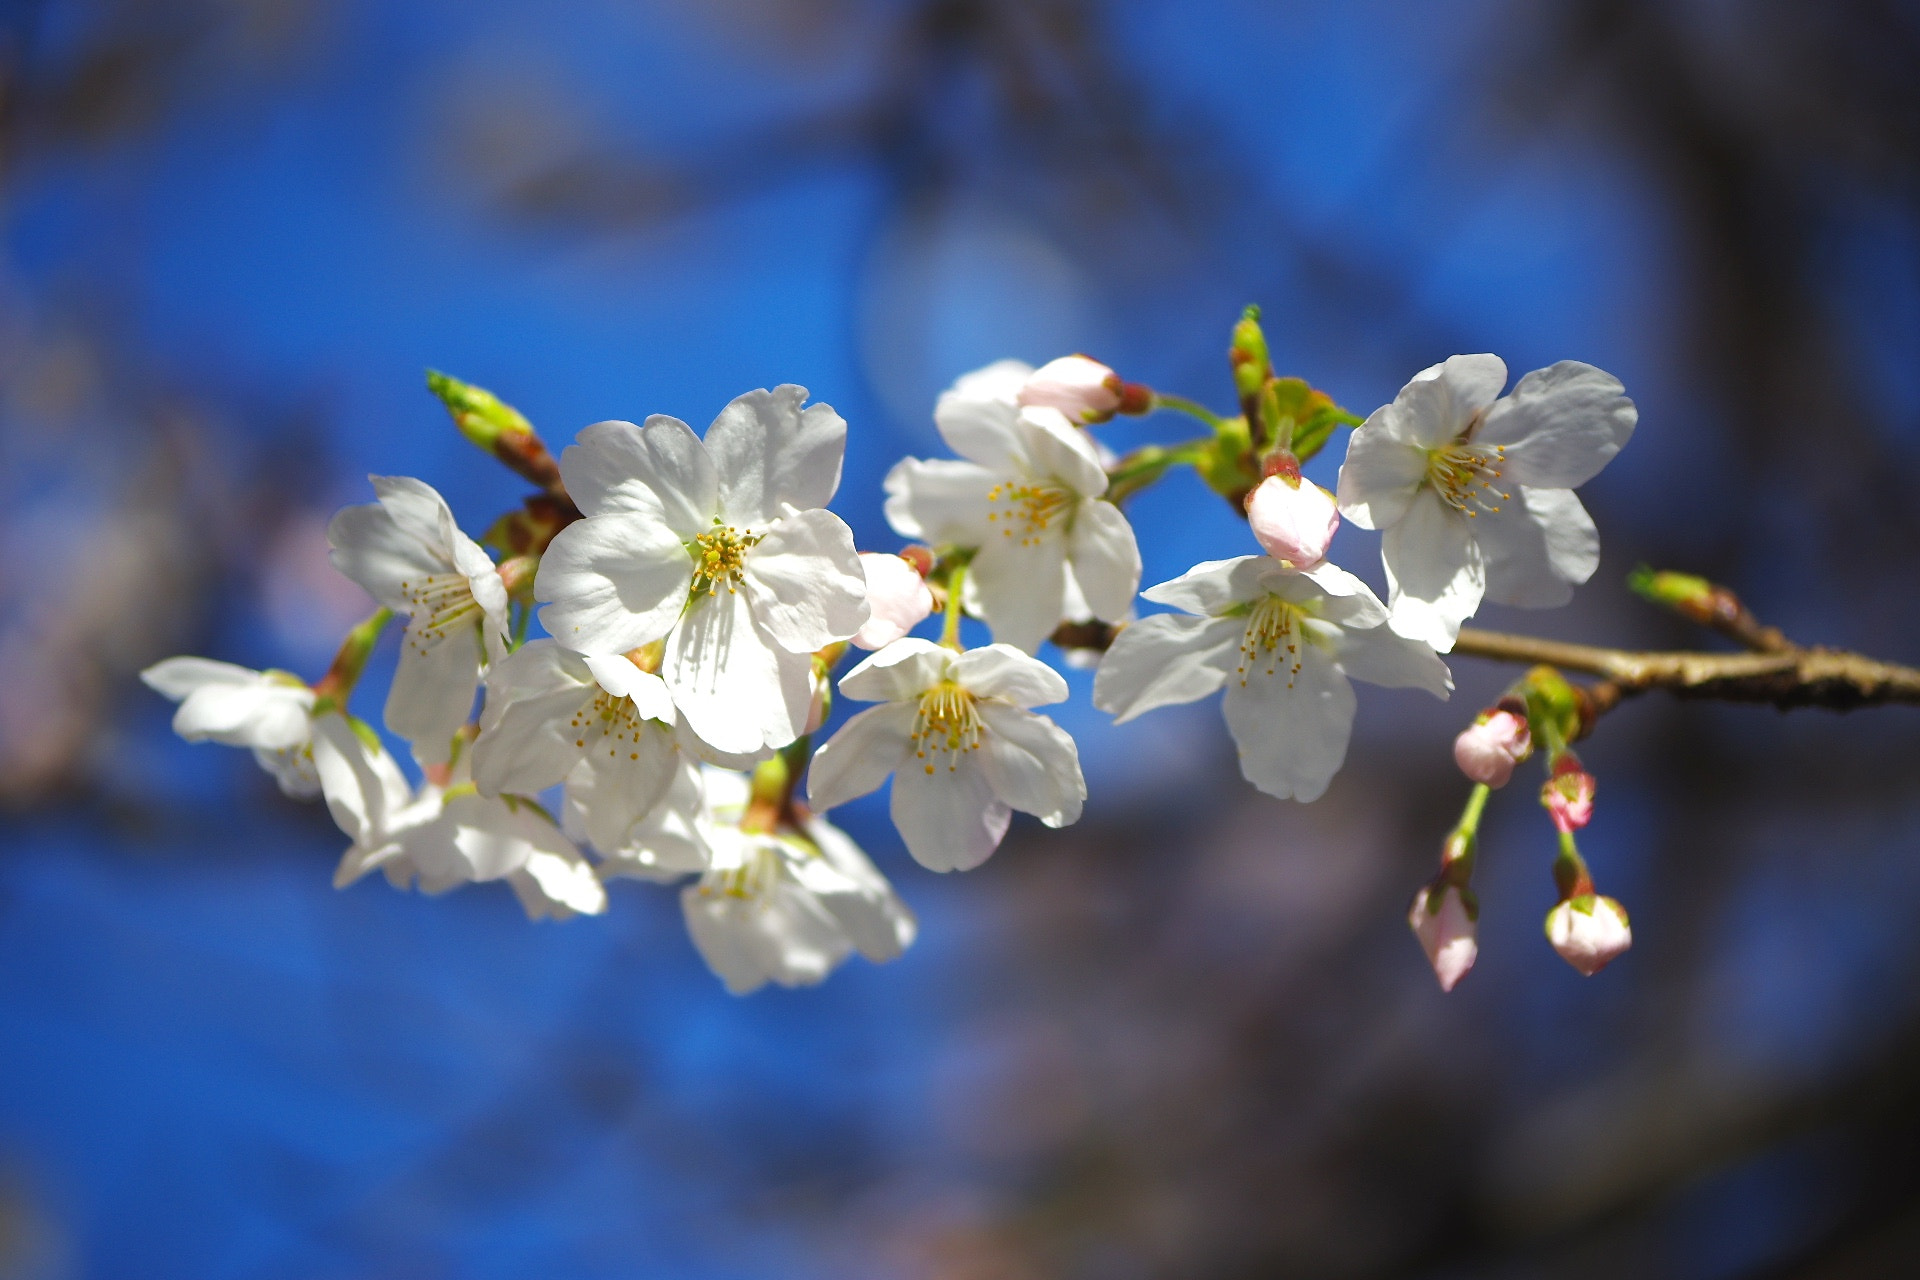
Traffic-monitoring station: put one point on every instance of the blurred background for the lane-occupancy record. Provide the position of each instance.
(1189, 1037)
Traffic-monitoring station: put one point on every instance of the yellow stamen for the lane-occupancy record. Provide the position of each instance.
(948, 722)
(1464, 474)
(1027, 511)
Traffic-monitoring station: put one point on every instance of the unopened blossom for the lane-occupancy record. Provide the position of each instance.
(409, 554)
(1487, 749)
(551, 711)
(1027, 499)
(1294, 519)
(1443, 921)
(1284, 645)
(720, 547)
(1081, 388)
(898, 599)
(1568, 794)
(786, 906)
(1473, 491)
(269, 712)
(447, 834)
(1589, 932)
(956, 732)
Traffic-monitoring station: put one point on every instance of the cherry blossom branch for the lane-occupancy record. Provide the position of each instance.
(1796, 677)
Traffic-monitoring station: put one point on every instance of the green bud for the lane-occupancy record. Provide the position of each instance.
(481, 416)
(1248, 355)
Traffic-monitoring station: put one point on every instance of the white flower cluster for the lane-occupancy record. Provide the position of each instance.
(697, 605)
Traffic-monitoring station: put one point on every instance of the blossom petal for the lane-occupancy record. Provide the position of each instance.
(531, 743)
(631, 776)
(1380, 475)
(1019, 588)
(496, 837)
(784, 935)
(613, 583)
(1560, 426)
(1163, 660)
(1058, 450)
(1005, 673)
(1434, 570)
(898, 600)
(660, 470)
(880, 926)
(1213, 586)
(553, 887)
(175, 678)
(940, 501)
(1292, 729)
(769, 451)
(1538, 548)
(1032, 764)
(948, 815)
(619, 676)
(736, 689)
(1380, 656)
(364, 788)
(979, 425)
(669, 842)
(432, 691)
(368, 547)
(904, 669)
(858, 758)
(805, 582)
(1342, 598)
(264, 715)
(1442, 400)
(1105, 558)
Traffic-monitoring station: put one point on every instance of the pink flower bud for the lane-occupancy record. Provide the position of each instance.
(898, 600)
(1294, 519)
(1589, 932)
(1444, 925)
(1487, 750)
(1568, 796)
(1082, 388)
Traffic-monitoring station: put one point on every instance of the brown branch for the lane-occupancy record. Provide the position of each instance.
(1831, 678)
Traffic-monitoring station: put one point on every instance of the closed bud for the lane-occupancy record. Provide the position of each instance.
(1442, 918)
(1078, 386)
(898, 600)
(1487, 750)
(1293, 518)
(1568, 794)
(1589, 932)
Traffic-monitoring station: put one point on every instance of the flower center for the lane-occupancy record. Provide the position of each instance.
(1464, 475)
(948, 723)
(610, 722)
(1273, 626)
(1025, 511)
(718, 556)
(438, 604)
(752, 877)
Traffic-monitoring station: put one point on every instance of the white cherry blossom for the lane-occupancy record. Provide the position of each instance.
(445, 835)
(1473, 491)
(552, 714)
(672, 839)
(721, 547)
(1284, 645)
(786, 906)
(411, 556)
(955, 731)
(269, 712)
(1028, 498)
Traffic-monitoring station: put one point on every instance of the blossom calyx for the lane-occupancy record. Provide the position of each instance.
(1443, 917)
(1082, 388)
(1589, 932)
(1568, 794)
(1293, 518)
(1487, 750)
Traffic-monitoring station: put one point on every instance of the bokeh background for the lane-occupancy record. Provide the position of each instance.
(1188, 1037)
